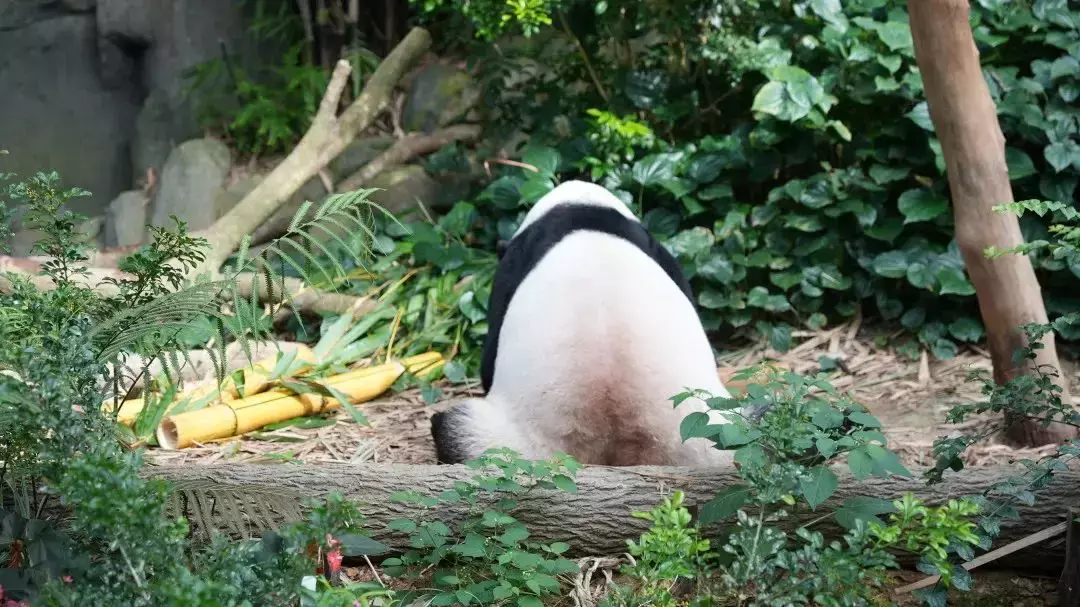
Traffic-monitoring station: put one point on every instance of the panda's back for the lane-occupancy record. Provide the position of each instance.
(601, 328)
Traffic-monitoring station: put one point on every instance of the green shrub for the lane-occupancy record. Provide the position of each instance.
(77, 522)
(793, 167)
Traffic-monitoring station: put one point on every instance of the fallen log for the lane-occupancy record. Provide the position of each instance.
(245, 499)
(290, 292)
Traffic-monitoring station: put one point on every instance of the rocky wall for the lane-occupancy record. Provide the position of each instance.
(94, 88)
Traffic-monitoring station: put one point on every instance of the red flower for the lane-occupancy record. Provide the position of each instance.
(333, 555)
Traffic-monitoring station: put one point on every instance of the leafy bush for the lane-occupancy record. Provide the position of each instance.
(785, 455)
(489, 559)
(792, 168)
(61, 359)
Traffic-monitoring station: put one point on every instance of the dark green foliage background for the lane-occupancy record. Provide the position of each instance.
(794, 169)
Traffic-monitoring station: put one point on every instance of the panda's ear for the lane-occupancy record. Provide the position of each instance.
(500, 248)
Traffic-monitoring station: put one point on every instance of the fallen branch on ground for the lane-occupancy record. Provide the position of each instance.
(249, 498)
(401, 152)
(327, 137)
(991, 556)
(298, 295)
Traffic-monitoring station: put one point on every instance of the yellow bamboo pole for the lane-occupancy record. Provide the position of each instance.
(279, 404)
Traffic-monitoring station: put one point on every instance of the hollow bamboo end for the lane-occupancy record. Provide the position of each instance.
(167, 435)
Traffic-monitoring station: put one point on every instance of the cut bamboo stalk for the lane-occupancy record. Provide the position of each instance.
(279, 404)
(256, 378)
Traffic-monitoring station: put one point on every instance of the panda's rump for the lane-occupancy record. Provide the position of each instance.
(595, 342)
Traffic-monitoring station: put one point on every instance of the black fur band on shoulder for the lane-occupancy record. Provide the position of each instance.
(525, 251)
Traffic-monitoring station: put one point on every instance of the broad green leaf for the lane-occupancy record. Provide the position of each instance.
(881, 173)
(653, 169)
(920, 204)
(751, 456)
(360, 545)
(1061, 155)
(1020, 164)
(891, 264)
(864, 419)
(887, 460)
(770, 99)
(696, 425)
(830, 12)
(535, 187)
(860, 463)
(543, 158)
(826, 446)
(890, 62)
(706, 168)
(717, 267)
(866, 509)
(725, 504)
(896, 35)
(918, 274)
(780, 337)
(920, 115)
(967, 329)
(953, 282)
(717, 191)
(819, 487)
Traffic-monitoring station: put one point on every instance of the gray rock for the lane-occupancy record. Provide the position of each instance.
(125, 219)
(439, 95)
(154, 132)
(129, 20)
(189, 181)
(19, 14)
(405, 188)
(23, 240)
(79, 6)
(56, 114)
(228, 197)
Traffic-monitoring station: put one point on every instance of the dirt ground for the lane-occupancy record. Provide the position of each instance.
(910, 397)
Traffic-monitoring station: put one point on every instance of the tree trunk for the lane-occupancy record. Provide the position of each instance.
(245, 499)
(965, 120)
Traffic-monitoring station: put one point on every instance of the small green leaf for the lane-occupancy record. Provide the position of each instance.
(966, 329)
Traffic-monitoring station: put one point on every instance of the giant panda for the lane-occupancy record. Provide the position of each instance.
(592, 329)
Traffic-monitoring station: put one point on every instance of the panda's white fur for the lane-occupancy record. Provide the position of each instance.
(594, 342)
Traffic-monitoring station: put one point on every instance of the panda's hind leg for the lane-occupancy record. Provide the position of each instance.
(473, 426)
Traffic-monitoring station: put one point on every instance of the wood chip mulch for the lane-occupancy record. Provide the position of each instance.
(910, 397)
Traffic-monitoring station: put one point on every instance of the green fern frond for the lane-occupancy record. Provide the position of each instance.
(172, 311)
